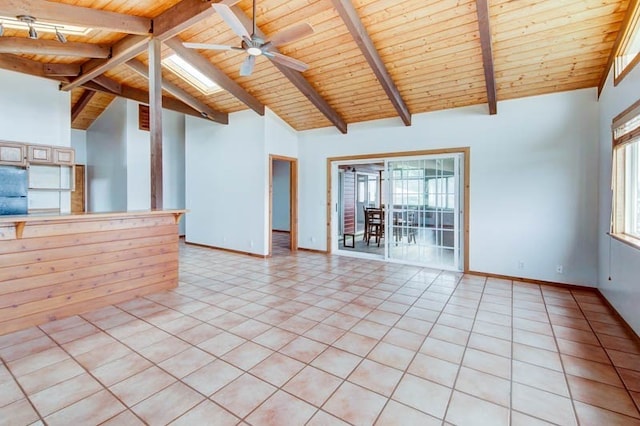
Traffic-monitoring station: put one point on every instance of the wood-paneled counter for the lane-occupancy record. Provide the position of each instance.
(53, 267)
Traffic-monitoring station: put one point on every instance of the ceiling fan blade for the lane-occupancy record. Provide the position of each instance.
(291, 34)
(231, 19)
(209, 46)
(287, 61)
(247, 66)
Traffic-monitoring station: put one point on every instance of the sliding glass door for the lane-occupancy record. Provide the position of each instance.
(421, 198)
(423, 211)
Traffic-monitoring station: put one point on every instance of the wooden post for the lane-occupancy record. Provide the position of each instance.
(155, 122)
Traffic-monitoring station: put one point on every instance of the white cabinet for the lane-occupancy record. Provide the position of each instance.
(44, 154)
(12, 154)
(39, 154)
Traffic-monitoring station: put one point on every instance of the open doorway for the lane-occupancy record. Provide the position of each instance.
(283, 204)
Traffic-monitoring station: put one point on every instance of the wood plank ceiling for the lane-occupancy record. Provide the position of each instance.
(430, 55)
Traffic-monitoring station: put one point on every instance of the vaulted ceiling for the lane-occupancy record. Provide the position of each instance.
(368, 59)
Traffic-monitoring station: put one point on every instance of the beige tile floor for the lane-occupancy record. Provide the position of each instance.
(321, 340)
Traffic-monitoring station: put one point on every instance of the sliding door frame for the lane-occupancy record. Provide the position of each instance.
(399, 155)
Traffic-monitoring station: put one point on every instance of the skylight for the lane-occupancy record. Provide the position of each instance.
(191, 75)
(43, 26)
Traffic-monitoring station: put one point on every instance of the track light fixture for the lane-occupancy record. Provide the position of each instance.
(33, 34)
(29, 20)
(61, 37)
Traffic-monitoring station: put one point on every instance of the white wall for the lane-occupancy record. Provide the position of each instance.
(79, 144)
(138, 148)
(281, 197)
(280, 138)
(533, 180)
(226, 186)
(107, 160)
(33, 110)
(115, 139)
(173, 165)
(623, 290)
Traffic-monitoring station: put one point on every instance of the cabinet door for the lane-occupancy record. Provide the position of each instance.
(64, 156)
(39, 154)
(12, 154)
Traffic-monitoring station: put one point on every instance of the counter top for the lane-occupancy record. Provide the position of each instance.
(19, 221)
(44, 217)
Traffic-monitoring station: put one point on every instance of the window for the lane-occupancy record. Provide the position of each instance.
(191, 75)
(626, 175)
(628, 51)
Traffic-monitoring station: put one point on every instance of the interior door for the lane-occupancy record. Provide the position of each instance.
(423, 214)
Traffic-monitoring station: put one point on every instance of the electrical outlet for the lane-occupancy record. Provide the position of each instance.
(251, 243)
(313, 239)
(560, 269)
(521, 265)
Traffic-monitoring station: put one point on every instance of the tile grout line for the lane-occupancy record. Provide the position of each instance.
(154, 364)
(466, 346)
(26, 396)
(564, 371)
(406, 370)
(371, 350)
(615, 367)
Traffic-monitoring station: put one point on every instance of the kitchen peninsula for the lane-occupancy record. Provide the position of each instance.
(55, 266)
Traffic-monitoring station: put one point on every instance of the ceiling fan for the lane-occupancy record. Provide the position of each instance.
(253, 44)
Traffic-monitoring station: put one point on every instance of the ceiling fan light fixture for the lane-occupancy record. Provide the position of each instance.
(255, 44)
(254, 51)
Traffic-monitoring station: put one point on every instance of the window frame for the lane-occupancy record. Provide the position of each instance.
(621, 141)
(631, 29)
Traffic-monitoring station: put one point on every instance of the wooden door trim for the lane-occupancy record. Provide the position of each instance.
(293, 201)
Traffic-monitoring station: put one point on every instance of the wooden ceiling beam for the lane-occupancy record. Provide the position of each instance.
(181, 16)
(205, 110)
(22, 45)
(352, 20)
(84, 100)
(142, 97)
(62, 70)
(624, 29)
(297, 79)
(203, 65)
(482, 7)
(108, 83)
(19, 64)
(62, 14)
(122, 51)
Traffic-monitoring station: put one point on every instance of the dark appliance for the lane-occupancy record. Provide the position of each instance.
(13, 190)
